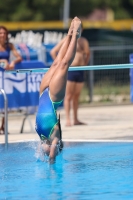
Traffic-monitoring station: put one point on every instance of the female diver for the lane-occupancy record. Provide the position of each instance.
(52, 92)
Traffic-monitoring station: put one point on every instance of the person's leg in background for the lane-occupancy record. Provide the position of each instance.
(71, 101)
(75, 84)
(75, 103)
(68, 100)
(2, 126)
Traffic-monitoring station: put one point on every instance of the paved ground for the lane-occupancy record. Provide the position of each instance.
(103, 123)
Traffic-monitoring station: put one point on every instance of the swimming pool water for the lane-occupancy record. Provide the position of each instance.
(83, 171)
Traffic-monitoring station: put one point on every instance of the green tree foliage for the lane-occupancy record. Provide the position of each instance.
(30, 10)
(40, 10)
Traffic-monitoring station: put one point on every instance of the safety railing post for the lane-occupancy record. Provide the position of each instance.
(6, 117)
(91, 77)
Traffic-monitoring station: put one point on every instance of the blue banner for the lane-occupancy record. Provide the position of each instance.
(22, 89)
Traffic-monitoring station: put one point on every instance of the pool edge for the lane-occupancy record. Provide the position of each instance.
(75, 140)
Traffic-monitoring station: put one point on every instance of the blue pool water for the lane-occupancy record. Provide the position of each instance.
(83, 171)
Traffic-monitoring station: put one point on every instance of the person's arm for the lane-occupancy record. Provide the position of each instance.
(56, 49)
(17, 56)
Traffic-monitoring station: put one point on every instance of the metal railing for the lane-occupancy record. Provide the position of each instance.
(6, 117)
(101, 55)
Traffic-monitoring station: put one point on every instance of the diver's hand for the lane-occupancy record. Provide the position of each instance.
(51, 160)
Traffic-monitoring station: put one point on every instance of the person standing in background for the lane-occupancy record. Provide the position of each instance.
(75, 80)
(5, 48)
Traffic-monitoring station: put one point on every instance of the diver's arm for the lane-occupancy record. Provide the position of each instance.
(52, 154)
(53, 150)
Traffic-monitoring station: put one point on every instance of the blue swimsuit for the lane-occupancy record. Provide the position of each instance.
(46, 118)
(5, 54)
(76, 76)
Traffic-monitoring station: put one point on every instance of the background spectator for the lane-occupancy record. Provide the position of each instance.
(5, 48)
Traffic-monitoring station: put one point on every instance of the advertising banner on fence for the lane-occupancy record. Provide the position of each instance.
(22, 90)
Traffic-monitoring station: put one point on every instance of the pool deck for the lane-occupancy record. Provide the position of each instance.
(104, 123)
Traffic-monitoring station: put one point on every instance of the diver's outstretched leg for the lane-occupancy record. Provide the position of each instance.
(47, 77)
(57, 84)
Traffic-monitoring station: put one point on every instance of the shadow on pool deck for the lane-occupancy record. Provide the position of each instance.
(103, 123)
